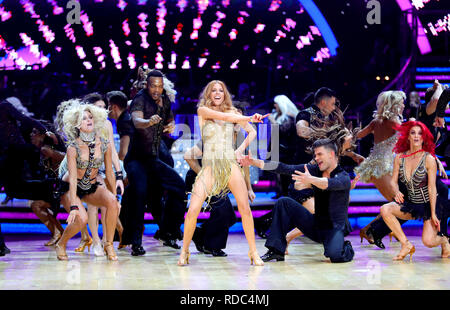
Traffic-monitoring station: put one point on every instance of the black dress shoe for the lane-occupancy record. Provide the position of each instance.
(270, 255)
(216, 252)
(137, 250)
(378, 243)
(172, 243)
(4, 248)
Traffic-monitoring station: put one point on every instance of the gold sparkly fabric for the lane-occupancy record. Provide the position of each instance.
(218, 155)
(380, 161)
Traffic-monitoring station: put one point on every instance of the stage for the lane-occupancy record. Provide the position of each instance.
(33, 266)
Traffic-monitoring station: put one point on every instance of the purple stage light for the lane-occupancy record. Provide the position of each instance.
(234, 65)
(70, 33)
(143, 21)
(233, 34)
(80, 52)
(182, 4)
(144, 42)
(131, 61)
(275, 5)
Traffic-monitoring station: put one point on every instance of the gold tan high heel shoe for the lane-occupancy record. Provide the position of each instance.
(84, 244)
(184, 258)
(54, 239)
(254, 258)
(109, 251)
(61, 252)
(411, 251)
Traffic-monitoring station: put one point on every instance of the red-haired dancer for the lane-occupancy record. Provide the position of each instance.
(415, 167)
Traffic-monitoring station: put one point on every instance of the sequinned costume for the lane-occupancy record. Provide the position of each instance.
(417, 202)
(84, 185)
(380, 161)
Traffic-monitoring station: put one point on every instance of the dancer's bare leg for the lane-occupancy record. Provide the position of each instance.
(73, 228)
(391, 213)
(239, 190)
(40, 208)
(93, 222)
(430, 238)
(383, 185)
(201, 187)
(103, 197)
(309, 205)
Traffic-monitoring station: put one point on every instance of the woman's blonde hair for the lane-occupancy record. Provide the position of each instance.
(62, 107)
(389, 104)
(73, 117)
(287, 108)
(205, 97)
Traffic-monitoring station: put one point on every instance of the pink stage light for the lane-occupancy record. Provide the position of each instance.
(70, 33)
(97, 50)
(122, 5)
(202, 6)
(88, 65)
(233, 34)
(186, 65)
(173, 60)
(143, 23)
(249, 4)
(216, 66)
(182, 4)
(126, 28)
(201, 62)
(225, 3)
(234, 65)
(128, 42)
(80, 52)
(419, 4)
(57, 10)
(440, 26)
(131, 61)
(142, 2)
(268, 50)
(87, 25)
(26, 40)
(322, 54)
(5, 14)
(259, 28)
(161, 13)
(215, 29)
(177, 33)
(197, 24)
(115, 54)
(49, 35)
(220, 15)
(241, 20)
(144, 43)
(275, 5)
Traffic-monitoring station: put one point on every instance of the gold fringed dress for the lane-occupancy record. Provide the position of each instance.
(218, 155)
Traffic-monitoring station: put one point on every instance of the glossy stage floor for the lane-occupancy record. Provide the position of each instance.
(34, 266)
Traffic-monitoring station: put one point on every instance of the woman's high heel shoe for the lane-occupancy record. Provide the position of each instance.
(411, 251)
(54, 239)
(364, 233)
(61, 252)
(254, 258)
(184, 258)
(84, 244)
(109, 251)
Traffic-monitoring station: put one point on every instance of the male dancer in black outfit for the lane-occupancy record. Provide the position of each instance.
(151, 115)
(329, 224)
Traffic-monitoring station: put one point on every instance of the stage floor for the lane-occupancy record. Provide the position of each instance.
(34, 266)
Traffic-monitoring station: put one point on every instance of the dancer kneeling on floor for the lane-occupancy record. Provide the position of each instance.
(329, 224)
